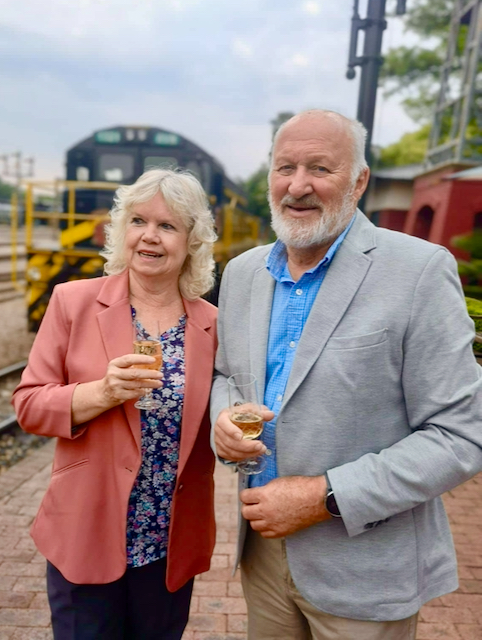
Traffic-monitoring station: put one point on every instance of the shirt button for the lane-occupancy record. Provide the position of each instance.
(299, 292)
(292, 344)
(279, 398)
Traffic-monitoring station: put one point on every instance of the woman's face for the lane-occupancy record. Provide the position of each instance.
(155, 240)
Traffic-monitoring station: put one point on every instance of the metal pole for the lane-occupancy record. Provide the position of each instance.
(372, 61)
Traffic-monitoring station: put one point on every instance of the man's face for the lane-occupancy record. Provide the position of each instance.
(312, 192)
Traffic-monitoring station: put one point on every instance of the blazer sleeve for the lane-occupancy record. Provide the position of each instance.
(43, 398)
(219, 391)
(442, 386)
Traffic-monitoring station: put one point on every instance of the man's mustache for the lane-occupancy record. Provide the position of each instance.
(309, 202)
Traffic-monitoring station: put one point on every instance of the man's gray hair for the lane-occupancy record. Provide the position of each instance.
(356, 129)
(186, 199)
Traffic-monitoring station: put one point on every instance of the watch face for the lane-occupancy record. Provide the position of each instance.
(331, 505)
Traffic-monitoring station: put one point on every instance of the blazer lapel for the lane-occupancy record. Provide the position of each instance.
(260, 315)
(199, 360)
(343, 279)
(115, 324)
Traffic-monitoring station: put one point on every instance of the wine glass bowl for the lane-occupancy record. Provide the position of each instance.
(151, 348)
(245, 412)
(250, 423)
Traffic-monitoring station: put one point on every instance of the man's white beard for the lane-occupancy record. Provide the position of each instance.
(301, 233)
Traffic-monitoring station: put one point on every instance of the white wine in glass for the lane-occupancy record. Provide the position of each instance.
(245, 413)
(250, 424)
(151, 348)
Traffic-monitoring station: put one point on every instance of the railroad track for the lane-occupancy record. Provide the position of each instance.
(10, 423)
(15, 443)
(8, 291)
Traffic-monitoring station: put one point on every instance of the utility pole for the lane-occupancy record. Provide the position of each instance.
(17, 167)
(370, 61)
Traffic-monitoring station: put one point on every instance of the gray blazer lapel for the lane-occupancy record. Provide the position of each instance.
(345, 275)
(259, 319)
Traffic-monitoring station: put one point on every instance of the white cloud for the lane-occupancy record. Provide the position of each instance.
(242, 48)
(311, 7)
(300, 60)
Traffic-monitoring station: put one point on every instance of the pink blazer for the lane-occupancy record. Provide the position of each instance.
(81, 524)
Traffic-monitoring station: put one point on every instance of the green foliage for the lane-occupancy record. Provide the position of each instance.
(474, 307)
(472, 270)
(429, 18)
(472, 243)
(256, 186)
(410, 149)
(408, 65)
(472, 273)
(415, 71)
(473, 290)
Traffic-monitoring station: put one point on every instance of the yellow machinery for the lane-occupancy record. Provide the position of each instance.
(63, 245)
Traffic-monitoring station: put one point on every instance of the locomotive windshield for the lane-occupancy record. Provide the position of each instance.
(115, 167)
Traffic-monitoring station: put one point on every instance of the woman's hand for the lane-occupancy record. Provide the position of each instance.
(125, 379)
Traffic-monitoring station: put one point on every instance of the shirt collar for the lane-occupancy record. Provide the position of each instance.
(277, 258)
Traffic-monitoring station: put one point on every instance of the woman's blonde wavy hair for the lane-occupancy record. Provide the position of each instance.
(185, 198)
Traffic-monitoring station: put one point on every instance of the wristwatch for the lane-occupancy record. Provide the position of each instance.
(330, 501)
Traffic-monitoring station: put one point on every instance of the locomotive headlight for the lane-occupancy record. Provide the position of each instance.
(34, 274)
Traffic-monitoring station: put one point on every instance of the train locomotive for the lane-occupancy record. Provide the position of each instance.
(63, 240)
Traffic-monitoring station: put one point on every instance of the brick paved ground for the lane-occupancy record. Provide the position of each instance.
(218, 609)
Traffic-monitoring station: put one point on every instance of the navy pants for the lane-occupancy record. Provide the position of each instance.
(138, 606)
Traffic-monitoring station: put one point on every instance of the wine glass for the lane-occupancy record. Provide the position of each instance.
(245, 413)
(148, 348)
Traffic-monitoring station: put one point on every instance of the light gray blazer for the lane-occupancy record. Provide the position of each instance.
(385, 395)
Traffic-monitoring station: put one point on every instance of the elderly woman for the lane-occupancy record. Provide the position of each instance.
(127, 520)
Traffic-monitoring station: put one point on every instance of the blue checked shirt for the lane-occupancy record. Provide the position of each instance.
(292, 302)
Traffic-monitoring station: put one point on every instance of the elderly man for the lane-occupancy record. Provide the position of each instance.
(361, 344)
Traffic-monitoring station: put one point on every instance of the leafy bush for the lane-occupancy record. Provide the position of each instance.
(474, 307)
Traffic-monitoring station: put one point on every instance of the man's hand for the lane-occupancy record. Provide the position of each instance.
(229, 442)
(285, 505)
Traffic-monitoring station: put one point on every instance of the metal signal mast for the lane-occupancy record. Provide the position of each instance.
(370, 61)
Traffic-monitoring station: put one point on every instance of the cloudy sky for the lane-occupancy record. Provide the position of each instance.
(215, 71)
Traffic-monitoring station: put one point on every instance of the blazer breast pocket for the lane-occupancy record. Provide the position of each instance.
(358, 342)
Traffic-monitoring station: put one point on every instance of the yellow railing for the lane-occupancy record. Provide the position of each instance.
(239, 232)
(14, 241)
(80, 226)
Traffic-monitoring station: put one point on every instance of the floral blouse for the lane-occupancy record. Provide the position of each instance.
(149, 510)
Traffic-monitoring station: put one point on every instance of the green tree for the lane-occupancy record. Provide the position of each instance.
(414, 72)
(471, 270)
(410, 149)
(256, 186)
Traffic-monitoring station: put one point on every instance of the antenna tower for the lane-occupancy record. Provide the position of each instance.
(456, 134)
